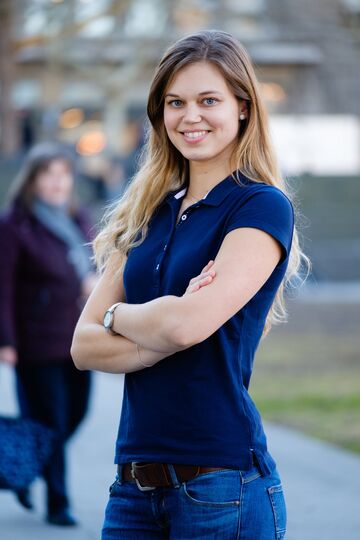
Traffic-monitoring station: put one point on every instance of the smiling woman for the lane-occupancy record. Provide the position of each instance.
(197, 116)
(195, 258)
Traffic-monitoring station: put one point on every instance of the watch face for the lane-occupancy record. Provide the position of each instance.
(107, 319)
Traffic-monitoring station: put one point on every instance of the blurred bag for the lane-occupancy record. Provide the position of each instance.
(25, 446)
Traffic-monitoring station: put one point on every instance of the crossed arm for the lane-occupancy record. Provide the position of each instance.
(165, 325)
(94, 348)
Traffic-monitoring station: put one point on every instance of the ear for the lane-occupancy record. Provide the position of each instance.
(242, 109)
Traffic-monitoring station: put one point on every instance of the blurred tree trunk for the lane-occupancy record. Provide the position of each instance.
(9, 136)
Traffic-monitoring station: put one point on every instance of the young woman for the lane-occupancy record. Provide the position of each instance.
(195, 258)
(45, 277)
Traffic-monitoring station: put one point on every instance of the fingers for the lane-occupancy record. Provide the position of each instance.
(201, 276)
(201, 281)
(204, 278)
(207, 266)
(205, 270)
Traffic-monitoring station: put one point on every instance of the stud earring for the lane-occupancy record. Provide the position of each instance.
(242, 116)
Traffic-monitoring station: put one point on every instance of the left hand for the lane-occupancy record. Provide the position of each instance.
(8, 355)
(204, 278)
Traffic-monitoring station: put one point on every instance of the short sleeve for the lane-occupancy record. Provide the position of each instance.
(268, 209)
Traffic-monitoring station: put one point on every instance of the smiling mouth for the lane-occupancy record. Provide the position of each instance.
(194, 135)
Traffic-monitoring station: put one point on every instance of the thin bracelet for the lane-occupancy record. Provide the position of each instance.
(142, 363)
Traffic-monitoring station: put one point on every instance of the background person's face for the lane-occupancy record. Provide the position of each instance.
(213, 117)
(54, 184)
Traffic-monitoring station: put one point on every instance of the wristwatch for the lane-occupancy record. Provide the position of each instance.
(109, 318)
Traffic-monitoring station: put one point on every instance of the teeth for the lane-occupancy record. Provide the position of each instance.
(195, 134)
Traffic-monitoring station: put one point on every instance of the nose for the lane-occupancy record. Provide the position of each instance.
(191, 113)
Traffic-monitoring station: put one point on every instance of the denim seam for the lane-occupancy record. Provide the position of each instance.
(240, 507)
(214, 504)
(254, 477)
(276, 489)
(246, 480)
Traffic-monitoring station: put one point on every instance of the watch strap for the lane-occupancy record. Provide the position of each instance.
(111, 311)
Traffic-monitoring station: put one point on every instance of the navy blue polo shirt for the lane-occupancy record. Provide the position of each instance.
(194, 407)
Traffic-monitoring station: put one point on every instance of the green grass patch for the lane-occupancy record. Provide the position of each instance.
(307, 374)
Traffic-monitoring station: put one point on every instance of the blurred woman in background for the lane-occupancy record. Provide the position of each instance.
(45, 277)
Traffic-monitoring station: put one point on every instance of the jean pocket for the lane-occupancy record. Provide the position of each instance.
(278, 505)
(215, 489)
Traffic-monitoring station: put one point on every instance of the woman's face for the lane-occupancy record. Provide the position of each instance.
(201, 116)
(54, 184)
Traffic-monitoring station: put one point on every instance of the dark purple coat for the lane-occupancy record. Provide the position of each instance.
(40, 299)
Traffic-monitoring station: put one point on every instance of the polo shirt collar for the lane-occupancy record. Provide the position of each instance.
(216, 195)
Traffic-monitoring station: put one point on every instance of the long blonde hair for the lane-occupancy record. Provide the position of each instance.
(162, 168)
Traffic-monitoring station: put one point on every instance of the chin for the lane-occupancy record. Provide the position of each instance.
(59, 202)
(199, 156)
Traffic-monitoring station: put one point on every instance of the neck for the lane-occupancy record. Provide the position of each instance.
(40, 201)
(204, 176)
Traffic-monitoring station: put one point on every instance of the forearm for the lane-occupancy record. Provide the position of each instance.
(153, 324)
(95, 349)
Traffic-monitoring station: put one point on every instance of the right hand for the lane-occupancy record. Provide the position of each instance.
(204, 278)
(8, 355)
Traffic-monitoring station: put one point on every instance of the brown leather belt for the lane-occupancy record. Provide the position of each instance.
(152, 475)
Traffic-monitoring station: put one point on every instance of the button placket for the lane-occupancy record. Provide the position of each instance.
(188, 210)
(160, 259)
(183, 217)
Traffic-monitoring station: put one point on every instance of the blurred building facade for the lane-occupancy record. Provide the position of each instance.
(98, 56)
(77, 70)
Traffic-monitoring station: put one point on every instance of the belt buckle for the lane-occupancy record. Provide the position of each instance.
(142, 488)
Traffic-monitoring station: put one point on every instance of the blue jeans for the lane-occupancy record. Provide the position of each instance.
(226, 505)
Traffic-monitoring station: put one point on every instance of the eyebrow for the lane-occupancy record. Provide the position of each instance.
(200, 93)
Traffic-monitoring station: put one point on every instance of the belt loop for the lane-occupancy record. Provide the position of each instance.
(172, 472)
(119, 474)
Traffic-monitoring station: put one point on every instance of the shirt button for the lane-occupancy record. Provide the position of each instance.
(183, 217)
(157, 267)
(165, 247)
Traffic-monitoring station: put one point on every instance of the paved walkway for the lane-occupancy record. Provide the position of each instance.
(322, 483)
